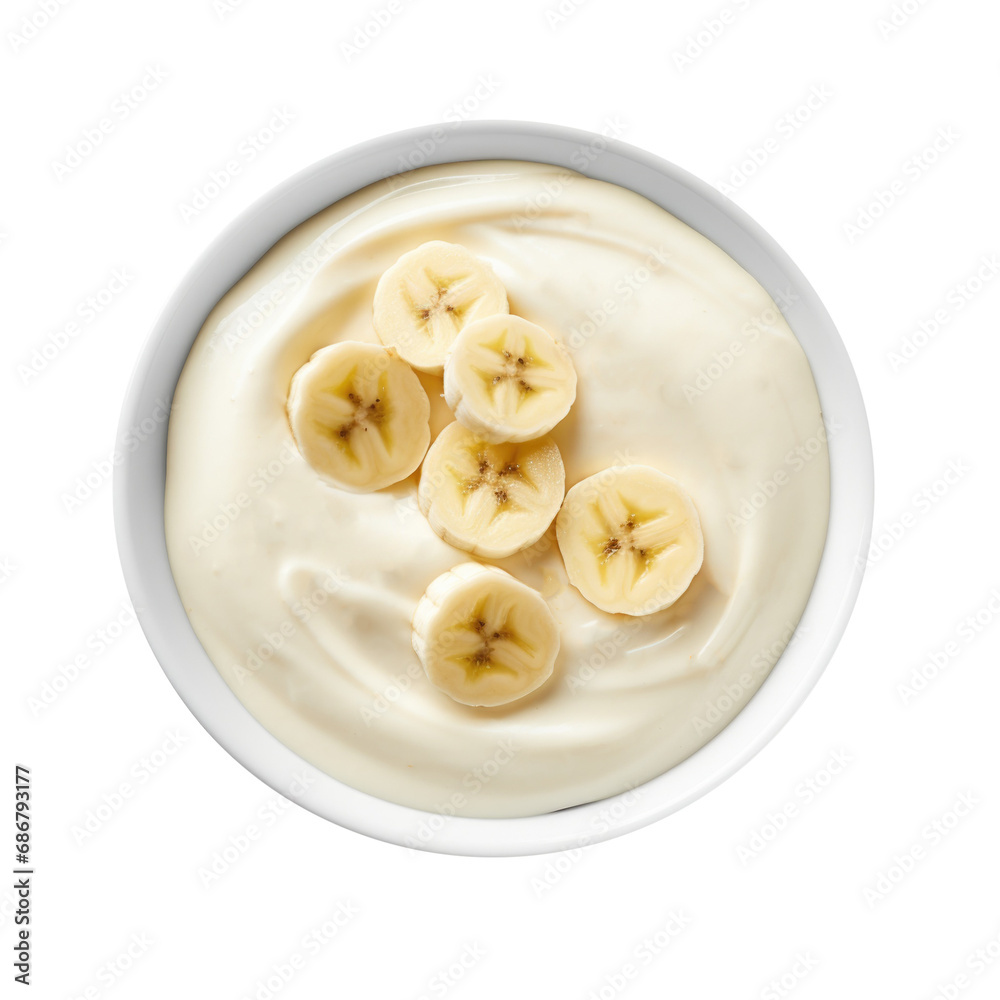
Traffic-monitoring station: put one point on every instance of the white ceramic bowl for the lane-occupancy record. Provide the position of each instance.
(139, 486)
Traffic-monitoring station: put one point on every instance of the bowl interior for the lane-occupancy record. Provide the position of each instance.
(140, 478)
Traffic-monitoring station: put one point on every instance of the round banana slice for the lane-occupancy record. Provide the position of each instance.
(483, 637)
(360, 416)
(631, 539)
(508, 380)
(490, 499)
(429, 296)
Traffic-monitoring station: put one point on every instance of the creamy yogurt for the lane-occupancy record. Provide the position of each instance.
(302, 594)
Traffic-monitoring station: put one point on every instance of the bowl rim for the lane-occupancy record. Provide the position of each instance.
(140, 475)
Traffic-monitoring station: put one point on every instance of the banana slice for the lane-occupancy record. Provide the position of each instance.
(483, 637)
(490, 499)
(428, 297)
(631, 539)
(359, 415)
(508, 380)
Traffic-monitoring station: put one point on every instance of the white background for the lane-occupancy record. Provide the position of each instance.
(824, 909)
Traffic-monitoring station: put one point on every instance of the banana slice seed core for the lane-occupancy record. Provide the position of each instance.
(483, 637)
(625, 543)
(441, 305)
(508, 379)
(631, 539)
(361, 415)
(498, 480)
(485, 656)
